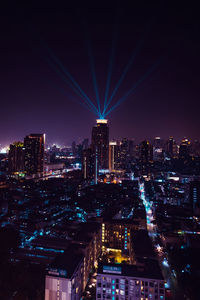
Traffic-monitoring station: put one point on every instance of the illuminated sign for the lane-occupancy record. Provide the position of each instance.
(57, 272)
(112, 269)
(174, 178)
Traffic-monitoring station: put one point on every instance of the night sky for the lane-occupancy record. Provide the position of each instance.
(31, 92)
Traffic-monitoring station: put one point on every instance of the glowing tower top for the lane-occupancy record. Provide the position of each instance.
(102, 121)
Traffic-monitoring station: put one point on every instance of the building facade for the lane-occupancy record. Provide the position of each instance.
(100, 143)
(16, 157)
(34, 154)
(130, 282)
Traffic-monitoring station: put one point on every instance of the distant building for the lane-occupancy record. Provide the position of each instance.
(85, 144)
(79, 153)
(171, 147)
(34, 153)
(146, 152)
(121, 281)
(194, 193)
(74, 148)
(16, 157)
(52, 169)
(184, 150)
(88, 164)
(114, 153)
(196, 148)
(157, 143)
(126, 152)
(100, 143)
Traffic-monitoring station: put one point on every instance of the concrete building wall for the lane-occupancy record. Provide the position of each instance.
(57, 288)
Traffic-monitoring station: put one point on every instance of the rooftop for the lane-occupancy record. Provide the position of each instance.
(66, 264)
(146, 269)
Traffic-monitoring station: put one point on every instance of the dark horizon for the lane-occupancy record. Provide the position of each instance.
(165, 104)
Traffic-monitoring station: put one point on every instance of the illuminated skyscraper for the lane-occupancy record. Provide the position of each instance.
(88, 164)
(184, 150)
(194, 194)
(112, 155)
(157, 142)
(171, 147)
(34, 153)
(16, 157)
(146, 152)
(100, 143)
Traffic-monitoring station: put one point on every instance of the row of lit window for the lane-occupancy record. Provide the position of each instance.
(131, 282)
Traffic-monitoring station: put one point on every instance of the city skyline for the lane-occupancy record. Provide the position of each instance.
(165, 104)
(100, 151)
(4, 147)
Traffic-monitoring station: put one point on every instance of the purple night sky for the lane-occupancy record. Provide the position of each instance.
(165, 104)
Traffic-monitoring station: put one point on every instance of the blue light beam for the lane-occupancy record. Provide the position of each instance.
(70, 77)
(70, 97)
(71, 85)
(92, 67)
(133, 89)
(130, 62)
(76, 100)
(112, 54)
(125, 71)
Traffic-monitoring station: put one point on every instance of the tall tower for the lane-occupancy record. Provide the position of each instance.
(194, 194)
(100, 143)
(184, 150)
(114, 154)
(34, 153)
(16, 157)
(146, 152)
(170, 146)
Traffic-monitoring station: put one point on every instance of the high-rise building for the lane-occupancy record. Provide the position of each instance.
(196, 148)
(16, 157)
(184, 150)
(126, 153)
(157, 143)
(85, 144)
(194, 193)
(34, 153)
(146, 152)
(123, 281)
(100, 143)
(74, 148)
(171, 147)
(88, 164)
(113, 155)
